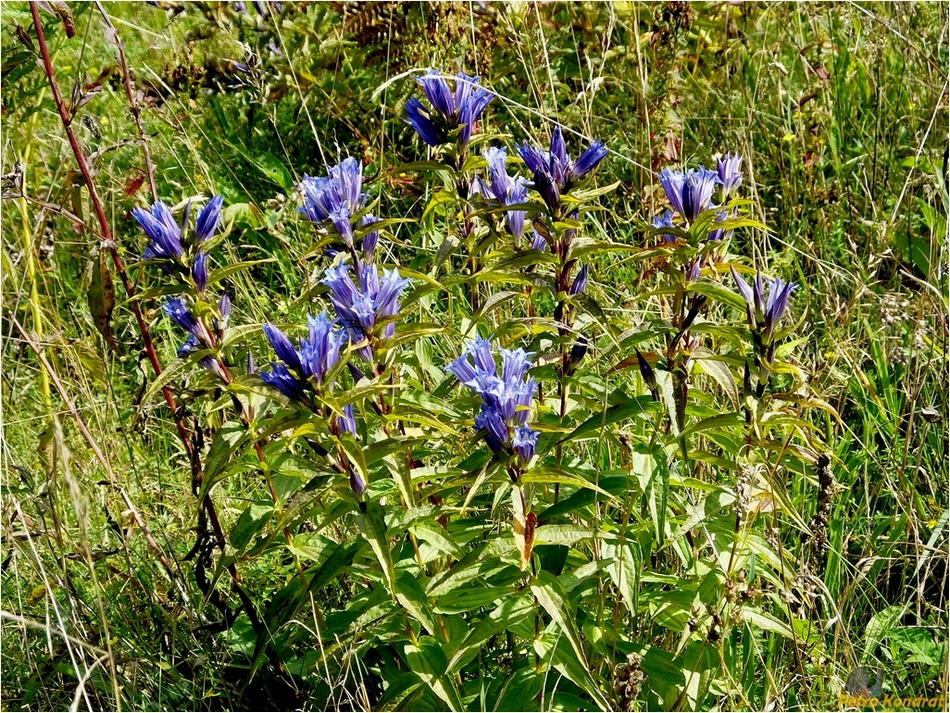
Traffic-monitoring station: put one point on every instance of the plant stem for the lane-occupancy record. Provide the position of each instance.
(119, 265)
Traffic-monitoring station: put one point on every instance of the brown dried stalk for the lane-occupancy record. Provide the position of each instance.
(108, 241)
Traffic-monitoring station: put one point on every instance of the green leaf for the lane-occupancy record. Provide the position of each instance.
(565, 662)
(881, 625)
(512, 610)
(272, 167)
(437, 537)
(720, 372)
(724, 422)
(414, 600)
(551, 596)
(496, 300)
(621, 412)
(542, 474)
(766, 622)
(470, 598)
(354, 454)
(718, 292)
(169, 373)
(373, 527)
(428, 661)
(101, 298)
(520, 692)
(252, 521)
(709, 506)
(414, 332)
(227, 440)
(590, 194)
(227, 271)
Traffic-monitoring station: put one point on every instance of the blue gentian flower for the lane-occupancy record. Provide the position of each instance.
(719, 233)
(337, 198)
(665, 220)
(765, 311)
(346, 421)
(208, 219)
(283, 347)
(493, 423)
(319, 352)
(579, 286)
(450, 110)
(506, 399)
(538, 242)
(281, 379)
(224, 310)
(198, 336)
(554, 172)
(208, 362)
(505, 189)
(729, 169)
(525, 442)
(199, 271)
(370, 240)
(689, 193)
(176, 308)
(360, 308)
(357, 484)
(695, 269)
(162, 230)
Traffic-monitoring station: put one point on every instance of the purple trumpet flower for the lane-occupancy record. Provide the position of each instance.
(199, 271)
(765, 307)
(198, 337)
(346, 421)
(178, 311)
(318, 353)
(579, 286)
(554, 172)
(689, 193)
(538, 242)
(506, 399)
(163, 232)
(450, 111)
(505, 189)
(224, 310)
(525, 442)
(337, 198)
(370, 240)
(360, 308)
(208, 219)
(719, 233)
(281, 379)
(695, 269)
(729, 168)
(665, 220)
(208, 362)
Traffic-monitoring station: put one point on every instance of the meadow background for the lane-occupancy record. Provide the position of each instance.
(840, 111)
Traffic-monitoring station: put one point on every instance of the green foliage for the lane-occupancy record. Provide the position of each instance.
(720, 528)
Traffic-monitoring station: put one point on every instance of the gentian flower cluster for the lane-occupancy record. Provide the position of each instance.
(691, 192)
(364, 305)
(506, 399)
(165, 235)
(765, 308)
(554, 172)
(337, 202)
(166, 246)
(309, 364)
(452, 114)
(507, 190)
